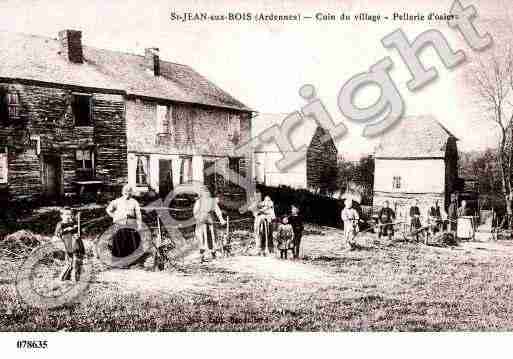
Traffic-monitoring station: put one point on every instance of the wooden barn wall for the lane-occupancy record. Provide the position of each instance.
(451, 169)
(110, 138)
(321, 157)
(46, 111)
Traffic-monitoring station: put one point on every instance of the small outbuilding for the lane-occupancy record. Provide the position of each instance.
(317, 168)
(416, 159)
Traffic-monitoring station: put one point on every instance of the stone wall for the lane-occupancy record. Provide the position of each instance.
(193, 129)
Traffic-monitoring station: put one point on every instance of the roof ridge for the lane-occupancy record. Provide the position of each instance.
(105, 67)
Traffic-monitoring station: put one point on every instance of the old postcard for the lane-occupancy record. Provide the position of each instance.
(255, 166)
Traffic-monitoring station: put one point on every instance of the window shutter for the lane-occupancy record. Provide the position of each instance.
(169, 120)
(3, 167)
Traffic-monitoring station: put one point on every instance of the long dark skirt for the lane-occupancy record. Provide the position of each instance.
(125, 242)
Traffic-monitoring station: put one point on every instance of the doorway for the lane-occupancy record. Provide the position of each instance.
(165, 177)
(52, 176)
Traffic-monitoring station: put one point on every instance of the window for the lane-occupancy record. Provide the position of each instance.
(85, 164)
(234, 127)
(396, 182)
(185, 169)
(10, 103)
(164, 124)
(81, 106)
(142, 170)
(162, 119)
(234, 166)
(13, 105)
(3, 165)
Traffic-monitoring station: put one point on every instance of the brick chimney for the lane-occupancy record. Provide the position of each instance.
(71, 45)
(151, 60)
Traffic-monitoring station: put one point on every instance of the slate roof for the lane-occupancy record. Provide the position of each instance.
(38, 58)
(414, 137)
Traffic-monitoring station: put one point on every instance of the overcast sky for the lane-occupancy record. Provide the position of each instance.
(264, 64)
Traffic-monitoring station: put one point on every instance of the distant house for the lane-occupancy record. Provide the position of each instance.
(417, 159)
(74, 115)
(317, 168)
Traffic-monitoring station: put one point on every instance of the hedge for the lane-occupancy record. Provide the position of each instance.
(314, 208)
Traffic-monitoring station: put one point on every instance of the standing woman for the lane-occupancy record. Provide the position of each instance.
(350, 218)
(126, 214)
(266, 216)
(204, 210)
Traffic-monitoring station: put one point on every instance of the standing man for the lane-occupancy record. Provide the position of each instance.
(296, 220)
(125, 211)
(435, 218)
(350, 218)
(386, 219)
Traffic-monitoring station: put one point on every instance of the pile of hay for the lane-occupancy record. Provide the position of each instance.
(20, 244)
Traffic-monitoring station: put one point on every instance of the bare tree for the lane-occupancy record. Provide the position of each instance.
(492, 82)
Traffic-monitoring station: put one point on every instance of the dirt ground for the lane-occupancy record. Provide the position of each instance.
(381, 286)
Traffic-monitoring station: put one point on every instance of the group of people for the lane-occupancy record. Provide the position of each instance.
(286, 232)
(124, 211)
(436, 219)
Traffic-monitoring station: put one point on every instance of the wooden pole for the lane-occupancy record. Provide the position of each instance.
(159, 232)
(79, 224)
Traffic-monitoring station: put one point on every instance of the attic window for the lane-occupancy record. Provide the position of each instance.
(9, 106)
(81, 106)
(13, 105)
(396, 182)
(164, 120)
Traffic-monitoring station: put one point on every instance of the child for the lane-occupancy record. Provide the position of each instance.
(285, 235)
(67, 232)
(296, 220)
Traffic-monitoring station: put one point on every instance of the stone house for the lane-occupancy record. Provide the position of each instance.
(318, 166)
(74, 115)
(62, 119)
(179, 124)
(416, 159)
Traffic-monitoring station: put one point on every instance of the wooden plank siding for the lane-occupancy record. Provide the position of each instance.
(46, 112)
